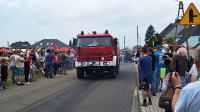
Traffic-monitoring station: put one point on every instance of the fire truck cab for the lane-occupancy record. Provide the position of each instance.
(97, 53)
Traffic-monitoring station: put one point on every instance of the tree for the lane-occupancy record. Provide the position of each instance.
(70, 43)
(150, 33)
(169, 40)
(158, 39)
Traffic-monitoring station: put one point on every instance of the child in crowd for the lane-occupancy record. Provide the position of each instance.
(4, 73)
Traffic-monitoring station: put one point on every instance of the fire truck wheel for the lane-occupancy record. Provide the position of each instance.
(113, 73)
(117, 70)
(80, 73)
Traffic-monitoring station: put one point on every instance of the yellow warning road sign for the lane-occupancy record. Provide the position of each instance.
(191, 16)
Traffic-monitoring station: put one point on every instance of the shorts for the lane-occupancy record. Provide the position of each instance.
(20, 72)
(145, 84)
(63, 64)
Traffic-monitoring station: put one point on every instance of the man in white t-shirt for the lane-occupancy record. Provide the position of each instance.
(13, 66)
(19, 66)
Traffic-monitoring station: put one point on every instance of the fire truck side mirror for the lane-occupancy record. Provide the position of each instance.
(82, 32)
(115, 40)
(106, 32)
(94, 32)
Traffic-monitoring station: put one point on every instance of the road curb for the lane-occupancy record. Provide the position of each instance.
(154, 107)
(136, 94)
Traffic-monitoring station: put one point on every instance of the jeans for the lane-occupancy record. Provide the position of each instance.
(49, 70)
(153, 82)
(55, 66)
(13, 73)
(32, 72)
(26, 73)
(63, 64)
(157, 77)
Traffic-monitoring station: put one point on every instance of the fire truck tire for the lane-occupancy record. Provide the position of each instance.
(80, 73)
(117, 70)
(113, 73)
(113, 76)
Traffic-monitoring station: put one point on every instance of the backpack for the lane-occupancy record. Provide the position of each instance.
(165, 100)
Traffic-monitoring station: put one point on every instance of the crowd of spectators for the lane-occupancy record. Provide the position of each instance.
(127, 56)
(168, 64)
(21, 67)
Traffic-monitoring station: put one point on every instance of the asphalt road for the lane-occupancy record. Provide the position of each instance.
(68, 94)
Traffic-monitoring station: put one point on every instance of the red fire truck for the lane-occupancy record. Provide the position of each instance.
(97, 53)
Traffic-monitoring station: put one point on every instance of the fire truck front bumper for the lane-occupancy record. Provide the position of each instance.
(95, 64)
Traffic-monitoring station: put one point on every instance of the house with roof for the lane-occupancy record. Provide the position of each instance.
(183, 33)
(172, 30)
(20, 45)
(47, 43)
(192, 34)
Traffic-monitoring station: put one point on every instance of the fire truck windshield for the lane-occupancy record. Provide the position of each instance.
(94, 41)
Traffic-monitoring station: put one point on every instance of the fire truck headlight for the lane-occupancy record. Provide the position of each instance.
(84, 64)
(79, 64)
(106, 63)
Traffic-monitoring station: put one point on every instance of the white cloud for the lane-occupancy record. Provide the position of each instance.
(12, 4)
(63, 19)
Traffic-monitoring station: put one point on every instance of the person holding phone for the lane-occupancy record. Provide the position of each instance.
(180, 65)
(187, 99)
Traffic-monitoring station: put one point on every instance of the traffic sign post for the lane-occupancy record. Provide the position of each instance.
(191, 16)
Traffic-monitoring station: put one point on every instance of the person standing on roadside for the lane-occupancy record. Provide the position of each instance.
(33, 65)
(159, 63)
(63, 62)
(153, 78)
(27, 69)
(188, 98)
(4, 73)
(20, 68)
(55, 63)
(13, 66)
(49, 64)
(180, 65)
(145, 72)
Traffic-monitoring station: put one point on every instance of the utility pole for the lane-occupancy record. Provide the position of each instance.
(178, 18)
(124, 42)
(137, 36)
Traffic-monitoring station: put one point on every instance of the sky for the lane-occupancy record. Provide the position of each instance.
(34, 20)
